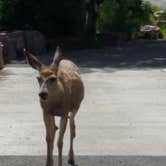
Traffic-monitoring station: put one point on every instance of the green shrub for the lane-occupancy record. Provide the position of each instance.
(51, 16)
(126, 17)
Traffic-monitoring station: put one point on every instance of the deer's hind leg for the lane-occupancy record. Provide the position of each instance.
(62, 129)
(50, 136)
(71, 160)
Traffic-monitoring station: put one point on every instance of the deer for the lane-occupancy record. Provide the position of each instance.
(61, 91)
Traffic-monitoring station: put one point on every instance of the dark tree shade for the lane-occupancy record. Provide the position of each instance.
(75, 17)
(49, 16)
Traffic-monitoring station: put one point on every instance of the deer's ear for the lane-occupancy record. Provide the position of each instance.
(57, 56)
(32, 60)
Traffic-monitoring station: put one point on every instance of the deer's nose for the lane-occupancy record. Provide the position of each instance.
(43, 95)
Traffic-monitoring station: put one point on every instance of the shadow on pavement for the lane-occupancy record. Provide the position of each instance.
(132, 55)
(86, 161)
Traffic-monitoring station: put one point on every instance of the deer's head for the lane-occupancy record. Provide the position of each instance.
(47, 78)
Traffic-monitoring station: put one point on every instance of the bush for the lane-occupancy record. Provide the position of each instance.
(117, 16)
(162, 23)
(51, 16)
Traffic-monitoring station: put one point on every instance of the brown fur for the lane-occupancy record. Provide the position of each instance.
(46, 72)
(64, 99)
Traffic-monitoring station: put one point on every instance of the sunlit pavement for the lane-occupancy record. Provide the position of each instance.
(123, 114)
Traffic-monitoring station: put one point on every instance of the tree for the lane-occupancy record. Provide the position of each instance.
(117, 16)
(53, 17)
(92, 12)
(80, 18)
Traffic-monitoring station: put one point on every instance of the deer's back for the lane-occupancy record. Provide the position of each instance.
(69, 74)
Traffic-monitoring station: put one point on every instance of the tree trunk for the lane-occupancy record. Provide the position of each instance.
(92, 20)
(83, 17)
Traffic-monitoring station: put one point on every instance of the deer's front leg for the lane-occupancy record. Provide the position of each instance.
(50, 135)
(62, 129)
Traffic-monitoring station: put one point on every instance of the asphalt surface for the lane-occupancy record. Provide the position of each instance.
(122, 120)
(86, 161)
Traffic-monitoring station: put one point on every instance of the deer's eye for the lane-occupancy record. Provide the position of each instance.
(40, 80)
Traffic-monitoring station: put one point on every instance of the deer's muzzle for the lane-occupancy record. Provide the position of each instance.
(43, 95)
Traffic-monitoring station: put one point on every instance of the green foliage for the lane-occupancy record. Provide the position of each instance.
(57, 18)
(162, 23)
(51, 16)
(17, 13)
(125, 17)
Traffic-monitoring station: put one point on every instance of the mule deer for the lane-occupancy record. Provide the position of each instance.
(61, 93)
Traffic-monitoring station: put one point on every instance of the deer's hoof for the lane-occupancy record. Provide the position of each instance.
(49, 163)
(71, 162)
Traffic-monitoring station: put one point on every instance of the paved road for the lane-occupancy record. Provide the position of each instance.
(123, 114)
(86, 161)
